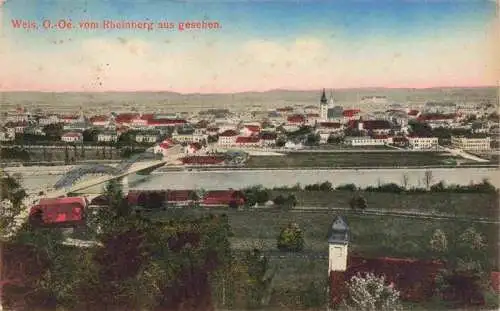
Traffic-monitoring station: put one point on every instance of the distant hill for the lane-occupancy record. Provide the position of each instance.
(170, 101)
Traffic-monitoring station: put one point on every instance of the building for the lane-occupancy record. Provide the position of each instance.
(250, 130)
(227, 138)
(248, 141)
(51, 119)
(376, 140)
(99, 121)
(422, 143)
(18, 127)
(296, 119)
(479, 143)
(72, 137)
(202, 160)
(147, 137)
(107, 136)
(229, 198)
(268, 139)
(378, 127)
(67, 211)
(330, 127)
(193, 148)
(436, 120)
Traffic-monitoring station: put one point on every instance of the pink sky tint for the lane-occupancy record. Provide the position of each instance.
(99, 64)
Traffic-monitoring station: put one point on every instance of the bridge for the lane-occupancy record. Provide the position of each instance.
(73, 181)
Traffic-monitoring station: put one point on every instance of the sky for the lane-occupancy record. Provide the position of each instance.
(260, 45)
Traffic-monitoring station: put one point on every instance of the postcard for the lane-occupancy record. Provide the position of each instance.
(249, 155)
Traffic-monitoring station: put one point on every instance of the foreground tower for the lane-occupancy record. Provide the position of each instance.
(338, 241)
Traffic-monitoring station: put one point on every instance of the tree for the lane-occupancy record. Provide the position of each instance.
(464, 280)
(428, 179)
(371, 293)
(259, 279)
(358, 202)
(291, 238)
(11, 206)
(326, 186)
(405, 181)
(439, 242)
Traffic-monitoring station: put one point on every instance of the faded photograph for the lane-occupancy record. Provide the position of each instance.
(197, 155)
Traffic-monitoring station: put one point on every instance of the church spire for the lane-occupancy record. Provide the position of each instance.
(332, 100)
(323, 101)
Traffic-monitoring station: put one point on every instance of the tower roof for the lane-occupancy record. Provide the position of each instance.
(323, 98)
(339, 231)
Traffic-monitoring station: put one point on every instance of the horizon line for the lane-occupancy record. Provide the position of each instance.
(253, 91)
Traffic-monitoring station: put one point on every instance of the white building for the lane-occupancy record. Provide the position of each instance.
(227, 138)
(147, 137)
(107, 137)
(52, 119)
(422, 143)
(72, 137)
(471, 143)
(294, 145)
(368, 141)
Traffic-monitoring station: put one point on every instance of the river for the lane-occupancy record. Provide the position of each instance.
(224, 179)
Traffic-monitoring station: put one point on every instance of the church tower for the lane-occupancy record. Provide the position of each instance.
(323, 107)
(338, 241)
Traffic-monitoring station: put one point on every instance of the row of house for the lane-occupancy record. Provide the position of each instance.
(70, 211)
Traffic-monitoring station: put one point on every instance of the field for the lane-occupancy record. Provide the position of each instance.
(371, 236)
(347, 159)
(477, 205)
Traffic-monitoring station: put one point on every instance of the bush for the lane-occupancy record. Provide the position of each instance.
(358, 202)
(347, 187)
(291, 238)
(370, 293)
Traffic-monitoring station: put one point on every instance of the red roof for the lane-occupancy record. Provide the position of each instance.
(334, 125)
(69, 117)
(380, 136)
(196, 146)
(60, 210)
(350, 112)
(247, 140)
(228, 133)
(98, 119)
(413, 112)
(224, 197)
(154, 122)
(180, 195)
(313, 115)
(125, 117)
(203, 160)
(253, 128)
(297, 118)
